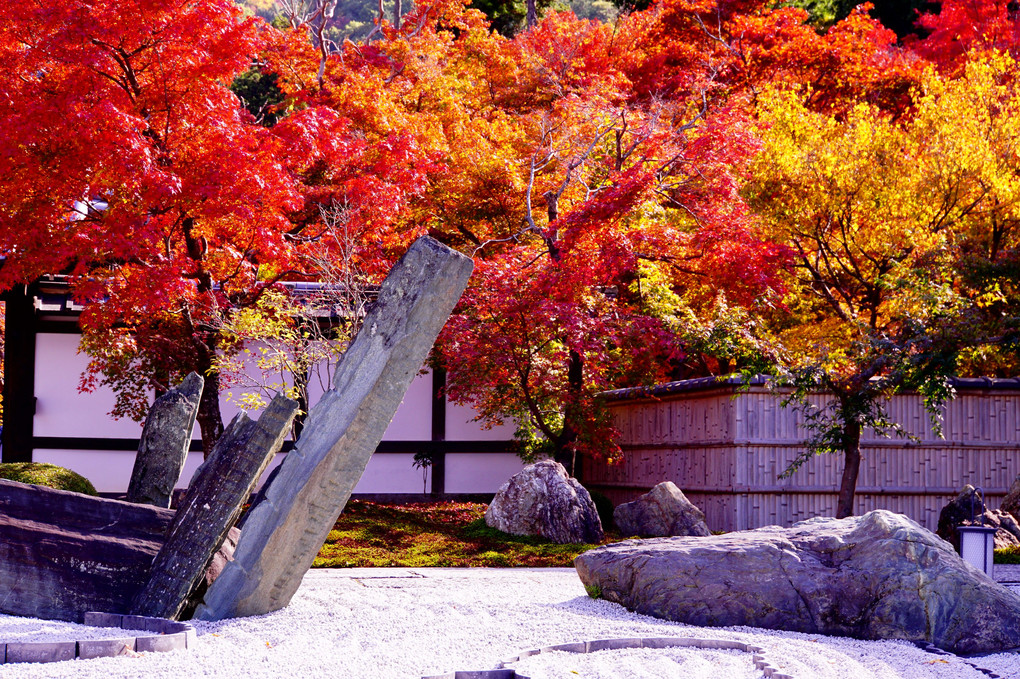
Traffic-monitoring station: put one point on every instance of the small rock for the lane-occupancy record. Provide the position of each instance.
(1011, 503)
(661, 512)
(968, 510)
(542, 499)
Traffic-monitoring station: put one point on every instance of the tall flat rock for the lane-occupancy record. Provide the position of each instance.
(211, 506)
(285, 530)
(63, 554)
(877, 576)
(163, 447)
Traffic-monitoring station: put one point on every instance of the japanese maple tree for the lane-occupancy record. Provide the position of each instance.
(129, 165)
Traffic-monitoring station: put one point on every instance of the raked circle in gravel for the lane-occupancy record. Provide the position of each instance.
(410, 623)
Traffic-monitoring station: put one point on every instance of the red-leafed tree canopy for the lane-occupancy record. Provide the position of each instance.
(597, 172)
(128, 164)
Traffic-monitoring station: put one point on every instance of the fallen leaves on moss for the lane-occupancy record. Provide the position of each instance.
(441, 534)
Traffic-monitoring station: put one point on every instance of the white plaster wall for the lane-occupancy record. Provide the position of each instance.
(411, 422)
(108, 470)
(413, 419)
(459, 426)
(480, 472)
(390, 473)
(61, 410)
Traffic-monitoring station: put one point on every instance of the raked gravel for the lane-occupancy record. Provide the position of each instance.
(409, 623)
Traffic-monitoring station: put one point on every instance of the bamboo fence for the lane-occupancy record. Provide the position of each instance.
(725, 447)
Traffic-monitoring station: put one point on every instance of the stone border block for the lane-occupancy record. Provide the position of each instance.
(136, 622)
(106, 648)
(611, 645)
(39, 652)
(169, 635)
(162, 643)
(579, 647)
(667, 642)
(503, 672)
(95, 619)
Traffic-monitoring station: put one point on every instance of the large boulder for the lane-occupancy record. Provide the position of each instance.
(663, 511)
(542, 499)
(878, 576)
(969, 510)
(63, 554)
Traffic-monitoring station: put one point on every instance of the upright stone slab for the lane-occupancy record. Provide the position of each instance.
(164, 444)
(211, 506)
(284, 532)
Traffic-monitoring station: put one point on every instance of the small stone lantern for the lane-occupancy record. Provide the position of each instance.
(977, 543)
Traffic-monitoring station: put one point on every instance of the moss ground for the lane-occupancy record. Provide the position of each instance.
(50, 475)
(433, 534)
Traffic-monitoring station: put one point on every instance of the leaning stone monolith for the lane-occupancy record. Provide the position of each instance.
(164, 444)
(211, 506)
(284, 532)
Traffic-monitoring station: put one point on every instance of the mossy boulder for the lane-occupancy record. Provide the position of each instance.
(49, 475)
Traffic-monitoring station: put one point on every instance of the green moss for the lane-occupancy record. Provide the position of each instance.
(1007, 555)
(49, 475)
(594, 591)
(432, 535)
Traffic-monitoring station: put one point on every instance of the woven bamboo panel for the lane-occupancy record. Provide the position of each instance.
(727, 454)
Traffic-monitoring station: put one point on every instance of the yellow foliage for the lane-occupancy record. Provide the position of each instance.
(876, 209)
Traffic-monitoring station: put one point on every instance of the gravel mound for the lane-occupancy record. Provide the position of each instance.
(410, 623)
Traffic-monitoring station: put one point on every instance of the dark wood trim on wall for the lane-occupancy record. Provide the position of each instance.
(19, 374)
(50, 326)
(385, 447)
(438, 431)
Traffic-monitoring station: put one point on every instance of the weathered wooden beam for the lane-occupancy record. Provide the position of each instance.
(284, 532)
(63, 554)
(164, 445)
(211, 506)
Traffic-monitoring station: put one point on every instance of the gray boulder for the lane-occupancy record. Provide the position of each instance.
(878, 576)
(1011, 503)
(542, 499)
(661, 512)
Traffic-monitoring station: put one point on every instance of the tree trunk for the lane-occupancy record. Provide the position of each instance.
(532, 16)
(852, 466)
(397, 11)
(301, 387)
(565, 445)
(210, 420)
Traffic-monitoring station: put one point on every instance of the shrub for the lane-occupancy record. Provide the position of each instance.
(1007, 555)
(49, 475)
(604, 506)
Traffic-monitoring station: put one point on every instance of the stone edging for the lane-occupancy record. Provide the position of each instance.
(758, 654)
(167, 635)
